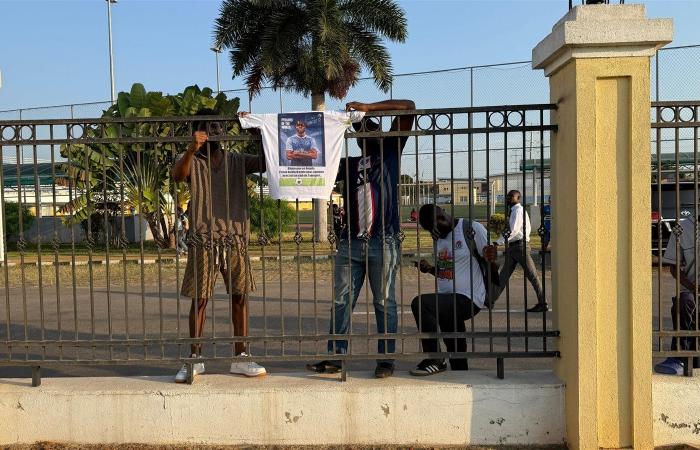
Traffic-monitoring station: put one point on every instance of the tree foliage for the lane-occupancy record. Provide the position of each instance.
(276, 215)
(498, 222)
(135, 176)
(310, 46)
(406, 179)
(12, 210)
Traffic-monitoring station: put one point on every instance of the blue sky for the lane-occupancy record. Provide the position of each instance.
(55, 52)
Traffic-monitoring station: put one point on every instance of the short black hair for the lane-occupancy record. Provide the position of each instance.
(426, 216)
(202, 112)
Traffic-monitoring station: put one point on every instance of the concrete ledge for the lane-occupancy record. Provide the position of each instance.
(454, 408)
(601, 31)
(676, 412)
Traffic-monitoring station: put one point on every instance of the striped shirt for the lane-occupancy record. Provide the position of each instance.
(219, 205)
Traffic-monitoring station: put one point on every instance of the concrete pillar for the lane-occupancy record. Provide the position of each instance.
(597, 61)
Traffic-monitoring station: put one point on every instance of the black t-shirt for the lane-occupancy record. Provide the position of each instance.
(370, 191)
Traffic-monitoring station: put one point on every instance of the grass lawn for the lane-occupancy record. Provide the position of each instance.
(168, 272)
(478, 211)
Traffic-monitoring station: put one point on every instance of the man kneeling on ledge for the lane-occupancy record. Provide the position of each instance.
(462, 265)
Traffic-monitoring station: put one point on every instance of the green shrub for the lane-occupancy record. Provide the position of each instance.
(497, 222)
(272, 217)
(12, 219)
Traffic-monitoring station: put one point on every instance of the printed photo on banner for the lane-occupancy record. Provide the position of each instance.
(301, 140)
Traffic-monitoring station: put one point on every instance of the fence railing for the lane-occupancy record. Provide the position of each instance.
(101, 298)
(674, 222)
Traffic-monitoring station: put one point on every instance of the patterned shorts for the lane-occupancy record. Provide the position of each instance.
(204, 265)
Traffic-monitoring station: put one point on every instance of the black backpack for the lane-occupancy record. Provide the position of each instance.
(493, 289)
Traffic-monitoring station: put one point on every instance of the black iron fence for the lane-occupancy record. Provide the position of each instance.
(101, 281)
(674, 225)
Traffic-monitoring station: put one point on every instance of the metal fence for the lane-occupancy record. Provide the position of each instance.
(674, 200)
(100, 300)
(675, 74)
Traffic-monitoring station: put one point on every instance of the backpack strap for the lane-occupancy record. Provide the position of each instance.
(471, 244)
(492, 290)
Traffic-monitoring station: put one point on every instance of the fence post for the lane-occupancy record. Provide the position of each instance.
(597, 59)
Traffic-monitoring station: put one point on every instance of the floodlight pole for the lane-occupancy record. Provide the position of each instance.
(216, 51)
(111, 54)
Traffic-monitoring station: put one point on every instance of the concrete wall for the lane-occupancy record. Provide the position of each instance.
(676, 410)
(43, 227)
(453, 408)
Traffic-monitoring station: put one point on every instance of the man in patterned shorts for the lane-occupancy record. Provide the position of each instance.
(218, 234)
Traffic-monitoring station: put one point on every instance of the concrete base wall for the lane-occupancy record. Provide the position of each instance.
(288, 409)
(43, 228)
(676, 410)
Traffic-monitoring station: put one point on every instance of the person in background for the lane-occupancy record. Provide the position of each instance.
(337, 220)
(518, 250)
(183, 225)
(683, 267)
(547, 226)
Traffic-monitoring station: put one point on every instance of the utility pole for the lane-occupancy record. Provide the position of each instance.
(216, 51)
(111, 54)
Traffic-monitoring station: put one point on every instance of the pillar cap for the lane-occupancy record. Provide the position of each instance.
(601, 31)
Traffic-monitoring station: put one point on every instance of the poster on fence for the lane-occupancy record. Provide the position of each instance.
(302, 150)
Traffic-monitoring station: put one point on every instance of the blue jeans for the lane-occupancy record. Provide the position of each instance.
(379, 261)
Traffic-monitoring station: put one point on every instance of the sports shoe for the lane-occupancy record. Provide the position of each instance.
(670, 366)
(197, 369)
(247, 368)
(429, 367)
(538, 308)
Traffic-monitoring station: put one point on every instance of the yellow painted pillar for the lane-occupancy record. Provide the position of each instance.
(597, 60)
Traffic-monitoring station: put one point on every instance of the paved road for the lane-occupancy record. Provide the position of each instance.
(288, 307)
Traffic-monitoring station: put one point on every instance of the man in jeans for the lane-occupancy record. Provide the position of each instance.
(368, 244)
(682, 266)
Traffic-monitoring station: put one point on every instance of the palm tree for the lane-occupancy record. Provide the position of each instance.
(314, 47)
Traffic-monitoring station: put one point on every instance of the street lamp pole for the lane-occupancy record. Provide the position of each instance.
(111, 54)
(216, 51)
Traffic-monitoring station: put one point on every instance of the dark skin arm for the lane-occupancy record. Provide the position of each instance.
(400, 123)
(181, 169)
(490, 252)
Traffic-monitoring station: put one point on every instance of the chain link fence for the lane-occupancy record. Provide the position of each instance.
(675, 75)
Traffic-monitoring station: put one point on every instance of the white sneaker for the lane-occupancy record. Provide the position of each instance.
(247, 368)
(197, 369)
